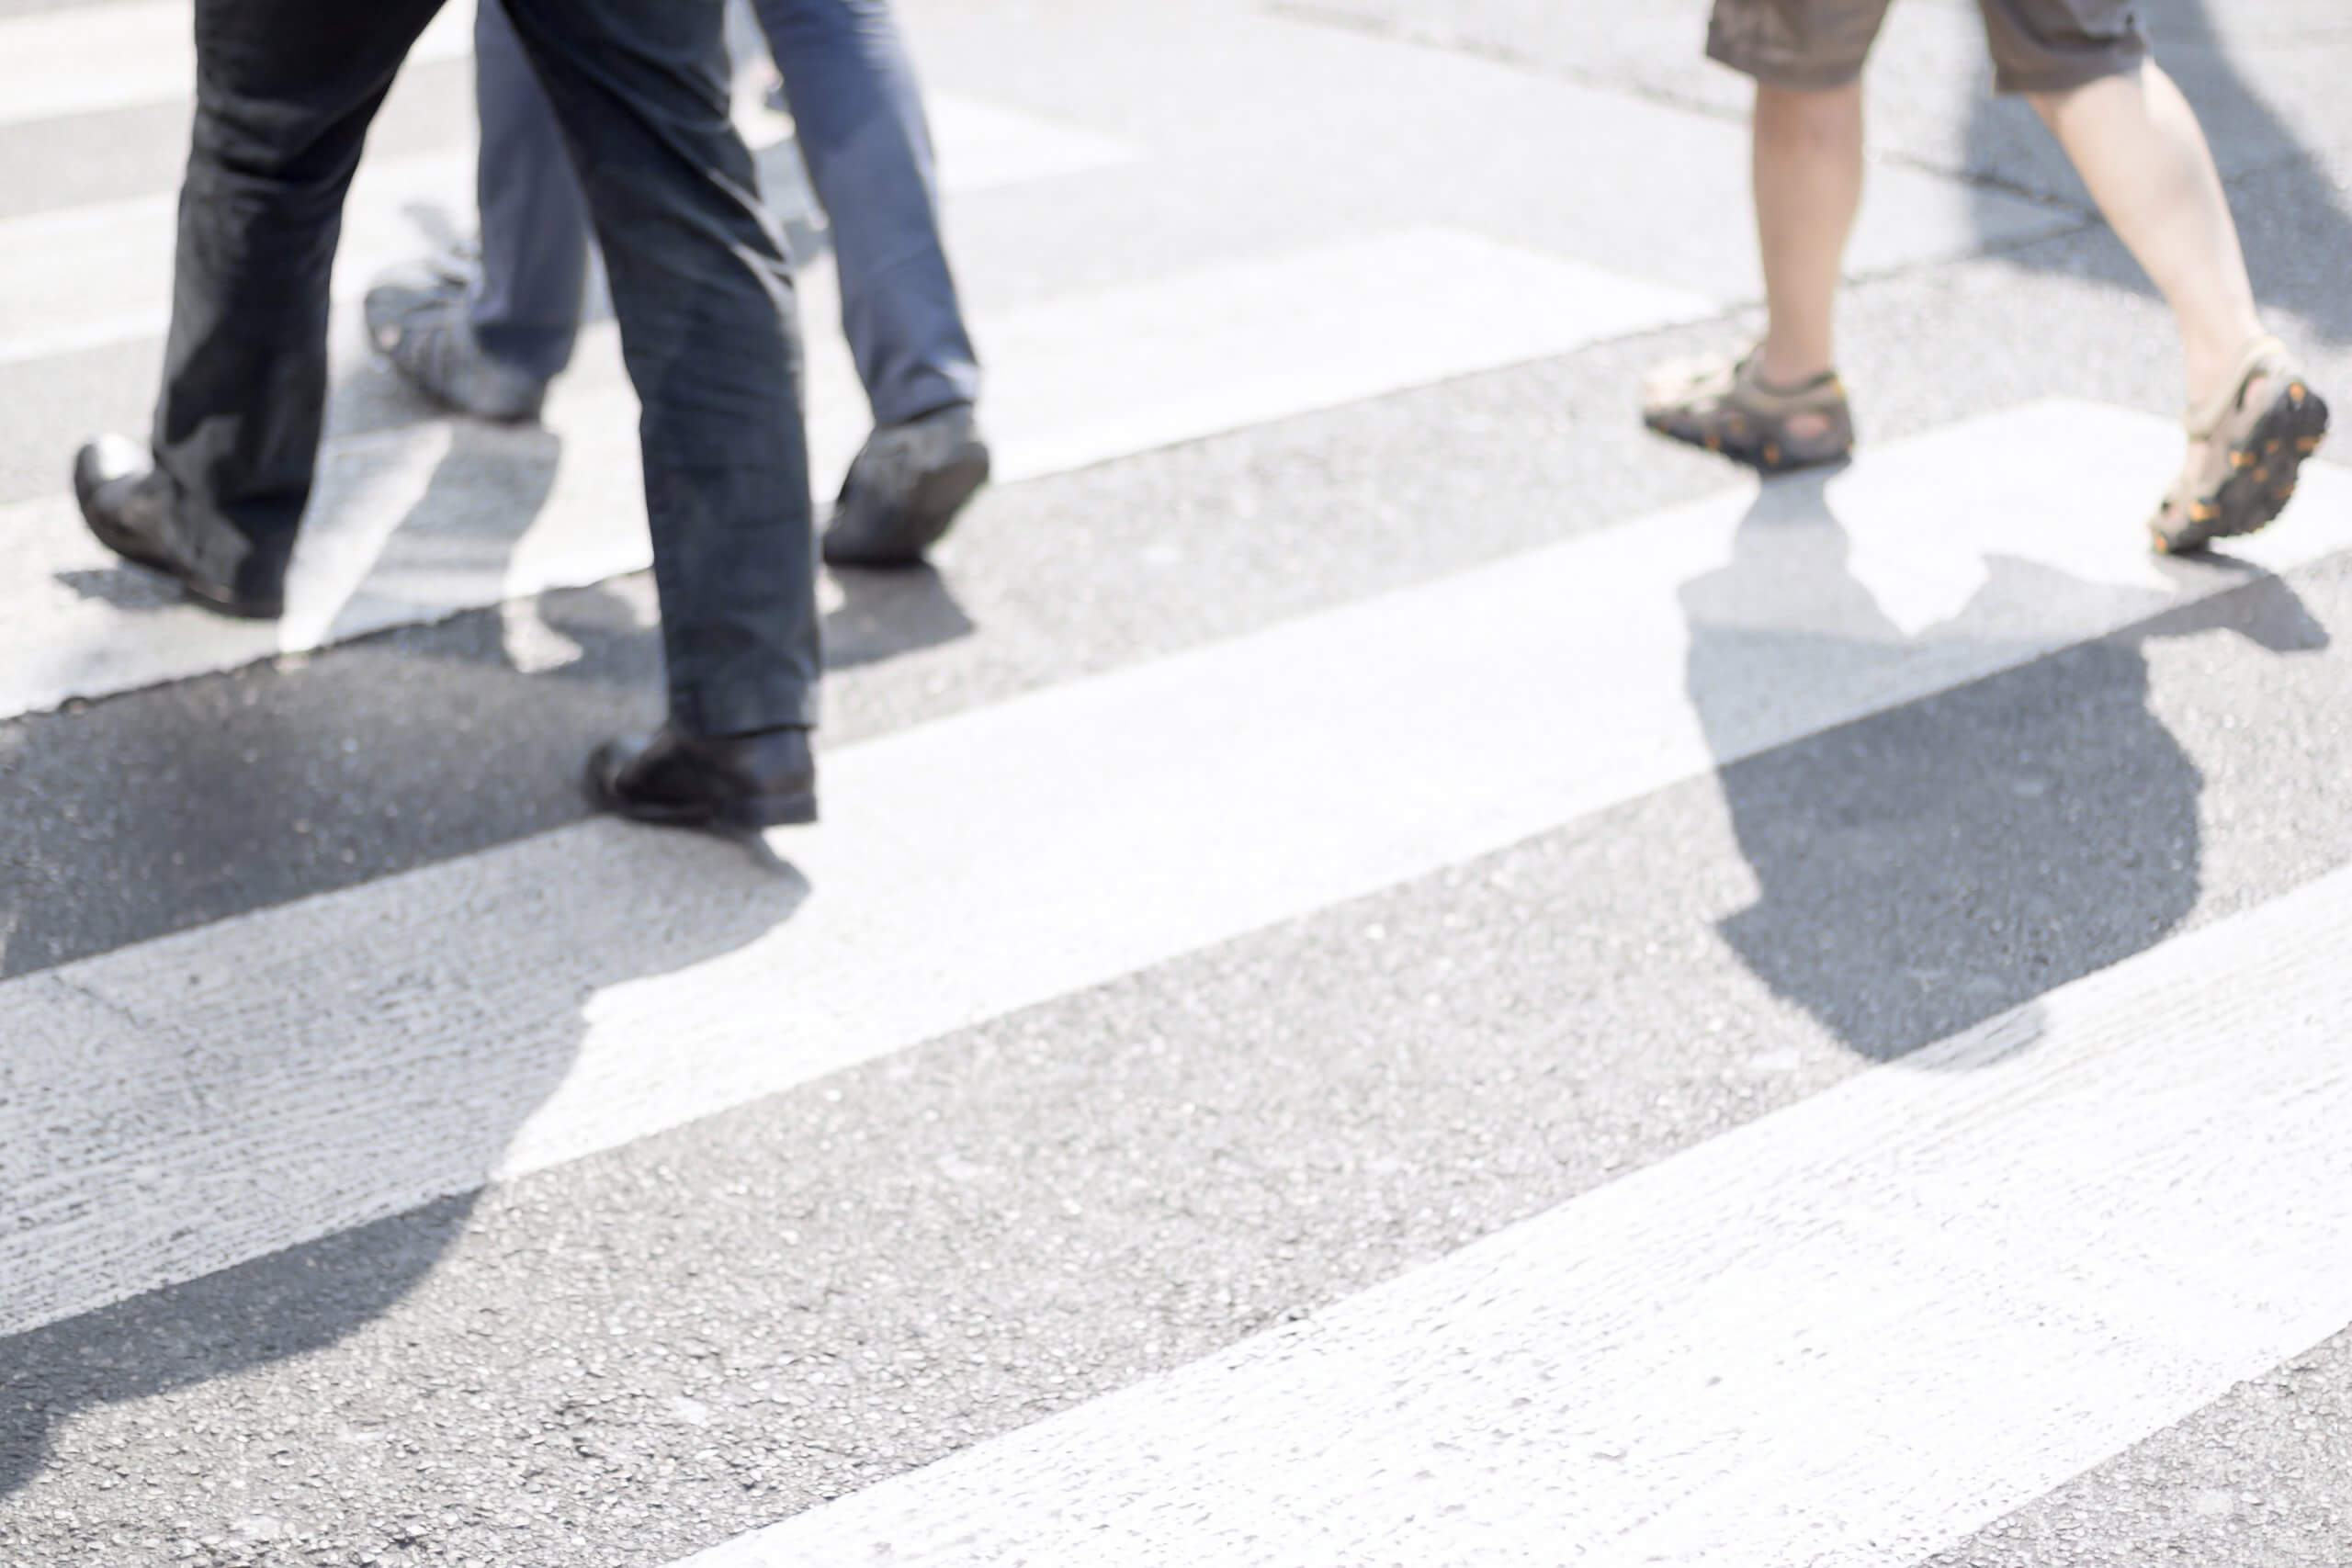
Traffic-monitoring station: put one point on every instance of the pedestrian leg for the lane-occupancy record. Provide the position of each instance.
(489, 343)
(2138, 147)
(861, 128)
(2252, 416)
(524, 306)
(1807, 174)
(1783, 406)
(859, 117)
(285, 92)
(705, 305)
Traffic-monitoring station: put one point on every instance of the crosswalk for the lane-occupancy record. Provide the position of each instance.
(2083, 1222)
(1377, 1072)
(398, 541)
(84, 60)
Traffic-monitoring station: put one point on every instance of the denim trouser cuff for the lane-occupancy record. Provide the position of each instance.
(742, 709)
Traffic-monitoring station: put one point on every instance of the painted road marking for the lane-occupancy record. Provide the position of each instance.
(568, 994)
(411, 525)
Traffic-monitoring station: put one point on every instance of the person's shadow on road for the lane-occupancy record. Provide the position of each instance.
(1944, 862)
(370, 1106)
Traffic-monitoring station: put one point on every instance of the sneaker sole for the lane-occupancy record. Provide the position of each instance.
(2265, 468)
(939, 497)
(124, 546)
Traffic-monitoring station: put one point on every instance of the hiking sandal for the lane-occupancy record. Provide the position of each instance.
(1727, 407)
(2246, 449)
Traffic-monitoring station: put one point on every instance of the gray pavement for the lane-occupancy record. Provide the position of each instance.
(634, 1356)
(2256, 1477)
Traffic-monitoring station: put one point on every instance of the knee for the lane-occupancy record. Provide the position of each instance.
(1830, 119)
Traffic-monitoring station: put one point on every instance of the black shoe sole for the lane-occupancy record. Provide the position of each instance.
(211, 596)
(2265, 468)
(939, 496)
(750, 814)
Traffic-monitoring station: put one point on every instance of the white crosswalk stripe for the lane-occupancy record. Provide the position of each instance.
(1198, 354)
(2106, 1210)
(88, 276)
(1854, 1330)
(1728, 629)
(89, 59)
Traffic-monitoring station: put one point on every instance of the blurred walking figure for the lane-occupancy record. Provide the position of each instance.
(2084, 65)
(489, 344)
(286, 89)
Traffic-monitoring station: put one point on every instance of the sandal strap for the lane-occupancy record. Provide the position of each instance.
(1755, 379)
(1808, 395)
(2205, 419)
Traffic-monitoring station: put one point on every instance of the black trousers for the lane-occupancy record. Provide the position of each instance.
(699, 282)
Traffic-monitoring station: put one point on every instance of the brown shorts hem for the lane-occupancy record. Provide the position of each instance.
(2074, 71)
(1789, 75)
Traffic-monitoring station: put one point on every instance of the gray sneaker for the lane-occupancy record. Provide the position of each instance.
(905, 489)
(421, 330)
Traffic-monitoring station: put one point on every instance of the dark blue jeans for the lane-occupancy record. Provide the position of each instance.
(862, 133)
(699, 279)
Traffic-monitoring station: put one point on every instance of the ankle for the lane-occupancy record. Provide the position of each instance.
(1781, 369)
(2212, 367)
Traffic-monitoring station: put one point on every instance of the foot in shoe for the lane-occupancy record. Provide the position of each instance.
(2245, 450)
(767, 779)
(422, 330)
(905, 489)
(1726, 406)
(129, 507)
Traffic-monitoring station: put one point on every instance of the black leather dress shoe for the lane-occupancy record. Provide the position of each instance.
(740, 782)
(905, 489)
(127, 505)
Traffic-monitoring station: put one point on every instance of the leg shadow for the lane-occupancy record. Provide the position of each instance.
(144, 1148)
(456, 546)
(608, 634)
(1941, 865)
(886, 614)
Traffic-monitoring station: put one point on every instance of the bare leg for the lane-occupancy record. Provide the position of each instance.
(1783, 406)
(1808, 180)
(2138, 147)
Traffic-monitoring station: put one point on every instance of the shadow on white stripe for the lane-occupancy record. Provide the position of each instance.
(88, 59)
(173, 1107)
(1845, 1335)
(411, 525)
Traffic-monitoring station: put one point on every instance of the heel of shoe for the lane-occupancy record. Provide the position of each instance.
(2307, 422)
(754, 813)
(942, 495)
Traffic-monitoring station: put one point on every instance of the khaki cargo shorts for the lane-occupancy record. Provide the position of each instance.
(2039, 46)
